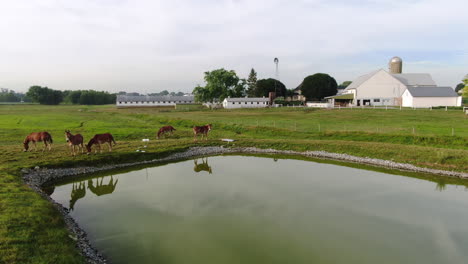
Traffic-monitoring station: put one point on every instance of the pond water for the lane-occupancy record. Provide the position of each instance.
(243, 209)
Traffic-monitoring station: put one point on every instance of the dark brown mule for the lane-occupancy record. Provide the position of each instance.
(101, 139)
(38, 137)
(165, 129)
(203, 130)
(74, 140)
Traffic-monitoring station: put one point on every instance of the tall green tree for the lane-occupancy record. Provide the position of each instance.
(459, 87)
(45, 95)
(316, 87)
(265, 86)
(252, 83)
(220, 84)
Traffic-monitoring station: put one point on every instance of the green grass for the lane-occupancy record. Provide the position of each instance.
(32, 231)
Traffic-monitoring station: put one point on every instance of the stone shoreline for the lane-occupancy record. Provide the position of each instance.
(42, 176)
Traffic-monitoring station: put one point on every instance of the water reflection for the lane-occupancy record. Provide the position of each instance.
(79, 189)
(202, 166)
(49, 190)
(441, 185)
(78, 192)
(101, 188)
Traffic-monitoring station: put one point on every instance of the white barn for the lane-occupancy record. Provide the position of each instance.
(152, 101)
(430, 96)
(381, 88)
(246, 102)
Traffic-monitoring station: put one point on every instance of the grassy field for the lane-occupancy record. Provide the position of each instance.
(31, 231)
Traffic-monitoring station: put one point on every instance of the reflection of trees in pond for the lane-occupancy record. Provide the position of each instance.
(49, 190)
(202, 166)
(101, 188)
(78, 192)
(441, 185)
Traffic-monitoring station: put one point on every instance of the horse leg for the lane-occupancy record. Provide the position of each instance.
(50, 146)
(110, 147)
(35, 147)
(45, 146)
(82, 148)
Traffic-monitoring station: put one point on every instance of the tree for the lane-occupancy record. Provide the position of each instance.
(459, 87)
(9, 96)
(220, 84)
(252, 83)
(265, 86)
(45, 95)
(317, 86)
(465, 90)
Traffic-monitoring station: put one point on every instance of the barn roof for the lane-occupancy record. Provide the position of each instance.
(432, 91)
(247, 99)
(144, 98)
(415, 79)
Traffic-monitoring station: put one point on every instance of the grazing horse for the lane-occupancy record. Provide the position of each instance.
(202, 167)
(38, 137)
(203, 130)
(101, 188)
(74, 140)
(101, 139)
(165, 129)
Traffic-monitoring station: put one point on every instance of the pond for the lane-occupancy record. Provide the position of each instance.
(245, 209)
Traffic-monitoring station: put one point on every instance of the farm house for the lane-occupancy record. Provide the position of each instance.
(152, 101)
(430, 96)
(246, 102)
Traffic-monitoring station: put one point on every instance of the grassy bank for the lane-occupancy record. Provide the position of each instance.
(31, 231)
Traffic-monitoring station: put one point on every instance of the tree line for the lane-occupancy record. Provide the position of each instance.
(10, 96)
(222, 83)
(48, 96)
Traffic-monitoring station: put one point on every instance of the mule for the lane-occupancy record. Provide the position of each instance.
(38, 137)
(74, 140)
(166, 129)
(203, 130)
(101, 139)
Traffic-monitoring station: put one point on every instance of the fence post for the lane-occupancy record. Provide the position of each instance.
(445, 108)
(413, 130)
(295, 126)
(319, 127)
(386, 107)
(400, 107)
(453, 131)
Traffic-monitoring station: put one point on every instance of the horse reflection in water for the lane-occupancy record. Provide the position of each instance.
(78, 192)
(202, 166)
(101, 188)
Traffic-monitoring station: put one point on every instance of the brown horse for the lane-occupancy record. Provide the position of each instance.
(165, 129)
(38, 137)
(101, 139)
(74, 140)
(101, 188)
(203, 130)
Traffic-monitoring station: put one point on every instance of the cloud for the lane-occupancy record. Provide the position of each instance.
(155, 45)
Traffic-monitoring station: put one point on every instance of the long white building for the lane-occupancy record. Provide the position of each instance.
(246, 102)
(152, 101)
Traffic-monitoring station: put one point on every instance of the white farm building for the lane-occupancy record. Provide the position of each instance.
(148, 101)
(430, 96)
(381, 88)
(246, 102)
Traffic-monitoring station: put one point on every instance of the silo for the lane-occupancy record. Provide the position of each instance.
(395, 65)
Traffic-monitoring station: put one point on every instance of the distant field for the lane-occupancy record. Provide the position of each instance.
(293, 123)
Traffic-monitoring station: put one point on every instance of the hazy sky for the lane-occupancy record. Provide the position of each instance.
(149, 46)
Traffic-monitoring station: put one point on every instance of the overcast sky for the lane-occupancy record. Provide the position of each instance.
(150, 46)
